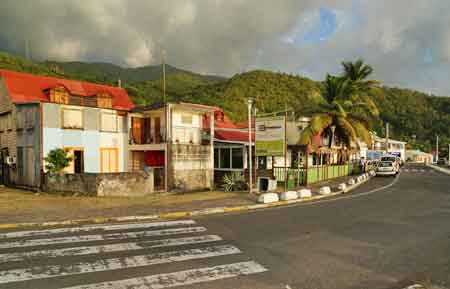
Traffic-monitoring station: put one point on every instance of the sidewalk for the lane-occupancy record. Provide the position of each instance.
(18, 206)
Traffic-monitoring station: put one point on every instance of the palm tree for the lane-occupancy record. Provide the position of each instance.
(349, 119)
(357, 73)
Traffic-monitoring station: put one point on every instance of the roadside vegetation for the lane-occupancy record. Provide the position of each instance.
(414, 116)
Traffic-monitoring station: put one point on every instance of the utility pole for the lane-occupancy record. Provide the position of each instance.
(387, 138)
(163, 61)
(250, 167)
(437, 147)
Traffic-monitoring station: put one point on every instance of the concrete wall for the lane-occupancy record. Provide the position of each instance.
(91, 138)
(113, 184)
(190, 167)
(186, 133)
(29, 160)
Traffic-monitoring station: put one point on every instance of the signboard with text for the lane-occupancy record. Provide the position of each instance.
(270, 136)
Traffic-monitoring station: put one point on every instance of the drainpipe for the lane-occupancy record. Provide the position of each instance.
(250, 168)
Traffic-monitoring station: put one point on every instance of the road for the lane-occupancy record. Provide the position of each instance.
(386, 239)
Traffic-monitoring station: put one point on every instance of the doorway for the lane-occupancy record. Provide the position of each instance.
(78, 162)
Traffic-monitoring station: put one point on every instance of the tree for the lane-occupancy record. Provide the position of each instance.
(357, 73)
(350, 120)
(57, 160)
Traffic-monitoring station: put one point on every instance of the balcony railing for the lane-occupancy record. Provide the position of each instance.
(180, 135)
(141, 136)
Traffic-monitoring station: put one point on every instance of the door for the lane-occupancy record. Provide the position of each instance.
(78, 161)
(109, 160)
(157, 130)
(136, 124)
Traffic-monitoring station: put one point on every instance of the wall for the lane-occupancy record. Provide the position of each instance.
(185, 132)
(28, 144)
(91, 139)
(111, 185)
(190, 167)
(8, 136)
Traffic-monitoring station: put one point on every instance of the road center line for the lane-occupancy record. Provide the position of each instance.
(148, 225)
(89, 238)
(181, 278)
(86, 250)
(49, 271)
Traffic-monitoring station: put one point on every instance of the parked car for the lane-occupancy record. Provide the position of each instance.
(386, 168)
(442, 162)
(395, 161)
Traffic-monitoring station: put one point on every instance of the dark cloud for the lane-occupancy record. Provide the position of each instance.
(407, 41)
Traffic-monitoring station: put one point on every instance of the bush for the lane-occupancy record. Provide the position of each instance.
(234, 181)
(57, 160)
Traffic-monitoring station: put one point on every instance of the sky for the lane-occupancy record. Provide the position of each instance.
(406, 41)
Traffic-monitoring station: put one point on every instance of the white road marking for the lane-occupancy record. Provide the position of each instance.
(39, 272)
(181, 278)
(86, 250)
(148, 225)
(89, 238)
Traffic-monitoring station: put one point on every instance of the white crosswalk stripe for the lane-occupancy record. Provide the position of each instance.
(34, 255)
(89, 238)
(86, 250)
(34, 233)
(181, 278)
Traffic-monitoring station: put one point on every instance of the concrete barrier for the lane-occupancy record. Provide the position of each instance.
(351, 182)
(342, 187)
(289, 195)
(304, 193)
(325, 190)
(268, 198)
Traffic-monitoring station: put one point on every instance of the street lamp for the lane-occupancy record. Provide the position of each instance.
(250, 167)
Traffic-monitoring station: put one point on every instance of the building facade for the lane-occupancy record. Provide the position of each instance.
(173, 141)
(39, 114)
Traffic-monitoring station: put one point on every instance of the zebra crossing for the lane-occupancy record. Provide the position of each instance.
(417, 170)
(51, 258)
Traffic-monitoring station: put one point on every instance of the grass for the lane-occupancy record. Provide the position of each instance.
(16, 201)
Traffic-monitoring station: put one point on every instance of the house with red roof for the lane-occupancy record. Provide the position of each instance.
(39, 113)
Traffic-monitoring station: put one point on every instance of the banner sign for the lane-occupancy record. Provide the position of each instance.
(270, 136)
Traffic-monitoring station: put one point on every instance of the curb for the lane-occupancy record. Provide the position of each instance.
(439, 169)
(181, 214)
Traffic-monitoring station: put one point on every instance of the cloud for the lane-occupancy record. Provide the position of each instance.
(406, 41)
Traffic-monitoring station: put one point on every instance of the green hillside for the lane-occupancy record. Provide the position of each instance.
(414, 116)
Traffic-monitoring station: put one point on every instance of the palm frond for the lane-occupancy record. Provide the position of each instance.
(320, 122)
(347, 128)
(362, 132)
(306, 136)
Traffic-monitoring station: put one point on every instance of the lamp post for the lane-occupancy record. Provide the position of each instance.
(250, 165)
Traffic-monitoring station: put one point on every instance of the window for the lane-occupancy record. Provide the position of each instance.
(186, 119)
(229, 158)
(237, 158)
(104, 100)
(224, 158)
(109, 160)
(72, 118)
(59, 95)
(109, 121)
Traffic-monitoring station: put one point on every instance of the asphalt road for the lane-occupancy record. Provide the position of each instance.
(383, 239)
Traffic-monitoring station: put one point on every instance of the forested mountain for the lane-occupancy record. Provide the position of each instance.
(413, 116)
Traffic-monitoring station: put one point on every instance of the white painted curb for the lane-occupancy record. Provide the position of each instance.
(342, 187)
(442, 170)
(325, 190)
(289, 195)
(268, 198)
(304, 193)
(351, 182)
